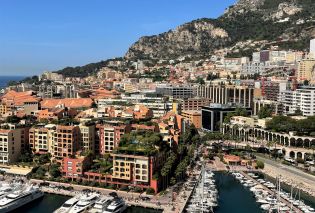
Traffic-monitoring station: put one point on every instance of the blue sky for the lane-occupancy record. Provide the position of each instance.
(37, 35)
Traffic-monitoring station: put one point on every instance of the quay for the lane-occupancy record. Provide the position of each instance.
(131, 198)
(272, 192)
(182, 198)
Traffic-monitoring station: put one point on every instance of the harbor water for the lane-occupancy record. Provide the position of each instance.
(51, 202)
(233, 196)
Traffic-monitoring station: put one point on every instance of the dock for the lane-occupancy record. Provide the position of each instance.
(295, 209)
(131, 198)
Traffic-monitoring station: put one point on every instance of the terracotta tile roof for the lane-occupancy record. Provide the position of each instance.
(67, 102)
(18, 98)
(4, 131)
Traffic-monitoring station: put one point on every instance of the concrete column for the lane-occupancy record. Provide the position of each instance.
(239, 95)
(213, 94)
(245, 97)
(218, 94)
(250, 97)
(226, 95)
(234, 98)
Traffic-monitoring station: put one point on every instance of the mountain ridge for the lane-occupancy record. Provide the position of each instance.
(246, 26)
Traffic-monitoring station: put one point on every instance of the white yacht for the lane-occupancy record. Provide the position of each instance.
(101, 204)
(85, 203)
(65, 208)
(19, 198)
(118, 205)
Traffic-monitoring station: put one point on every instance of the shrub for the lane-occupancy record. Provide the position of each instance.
(150, 191)
(300, 160)
(260, 164)
(138, 189)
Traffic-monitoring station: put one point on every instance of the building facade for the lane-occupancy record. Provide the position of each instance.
(10, 145)
(224, 94)
(302, 99)
(213, 115)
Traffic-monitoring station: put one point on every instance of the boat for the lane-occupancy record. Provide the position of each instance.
(65, 208)
(101, 204)
(19, 198)
(85, 203)
(117, 205)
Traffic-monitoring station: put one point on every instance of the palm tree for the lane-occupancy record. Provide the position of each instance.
(269, 144)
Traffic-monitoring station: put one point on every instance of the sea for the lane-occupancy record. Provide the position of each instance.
(50, 202)
(5, 79)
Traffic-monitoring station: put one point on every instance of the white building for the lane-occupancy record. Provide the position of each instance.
(302, 99)
(253, 68)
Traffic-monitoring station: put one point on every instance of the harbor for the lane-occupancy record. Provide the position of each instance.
(205, 191)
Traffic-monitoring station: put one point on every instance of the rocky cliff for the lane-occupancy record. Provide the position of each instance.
(248, 25)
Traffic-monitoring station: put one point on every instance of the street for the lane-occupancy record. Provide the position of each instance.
(290, 175)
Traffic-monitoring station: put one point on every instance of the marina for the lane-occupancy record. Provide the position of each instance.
(271, 197)
(204, 196)
(206, 191)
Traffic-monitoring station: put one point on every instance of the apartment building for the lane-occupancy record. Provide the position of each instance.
(10, 145)
(107, 139)
(40, 140)
(110, 136)
(87, 137)
(74, 167)
(252, 68)
(193, 103)
(306, 70)
(159, 108)
(302, 99)
(193, 116)
(142, 112)
(66, 141)
(131, 167)
(176, 91)
(3, 109)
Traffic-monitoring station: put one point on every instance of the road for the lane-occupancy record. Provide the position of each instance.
(290, 175)
(287, 168)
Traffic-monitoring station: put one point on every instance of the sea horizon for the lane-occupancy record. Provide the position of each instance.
(4, 79)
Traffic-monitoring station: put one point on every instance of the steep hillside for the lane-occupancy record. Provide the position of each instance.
(287, 23)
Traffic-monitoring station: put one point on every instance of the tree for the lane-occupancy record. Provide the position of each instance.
(54, 171)
(306, 83)
(13, 119)
(264, 112)
(200, 80)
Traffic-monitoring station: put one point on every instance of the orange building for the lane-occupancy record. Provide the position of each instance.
(75, 167)
(142, 112)
(73, 103)
(102, 93)
(66, 141)
(194, 117)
